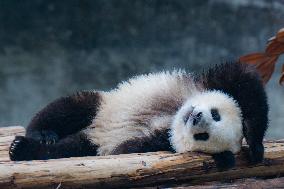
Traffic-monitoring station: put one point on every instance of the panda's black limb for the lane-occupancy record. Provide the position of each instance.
(64, 116)
(23, 149)
(77, 145)
(44, 136)
(158, 141)
(224, 160)
(51, 133)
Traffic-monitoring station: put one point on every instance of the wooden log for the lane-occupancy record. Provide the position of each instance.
(239, 184)
(133, 170)
(12, 131)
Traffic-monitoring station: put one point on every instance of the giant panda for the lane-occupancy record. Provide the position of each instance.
(167, 111)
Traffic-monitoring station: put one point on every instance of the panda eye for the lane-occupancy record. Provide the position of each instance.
(215, 114)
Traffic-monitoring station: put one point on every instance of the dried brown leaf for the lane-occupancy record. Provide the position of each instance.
(265, 62)
(281, 81)
(266, 68)
(280, 35)
(275, 48)
(254, 58)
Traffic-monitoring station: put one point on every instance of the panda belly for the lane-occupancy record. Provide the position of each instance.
(139, 108)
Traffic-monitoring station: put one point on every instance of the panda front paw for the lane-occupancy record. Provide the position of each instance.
(21, 149)
(224, 160)
(44, 137)
(255, 154)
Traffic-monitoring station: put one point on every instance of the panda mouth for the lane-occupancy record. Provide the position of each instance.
(201, 136)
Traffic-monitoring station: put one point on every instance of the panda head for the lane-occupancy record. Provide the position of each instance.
(210, 122)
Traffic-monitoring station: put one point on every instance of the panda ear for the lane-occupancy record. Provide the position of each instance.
(224, 160)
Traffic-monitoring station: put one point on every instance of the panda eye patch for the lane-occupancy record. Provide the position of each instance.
(215, 114)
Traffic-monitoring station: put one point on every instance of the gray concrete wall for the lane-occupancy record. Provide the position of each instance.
(53, 48)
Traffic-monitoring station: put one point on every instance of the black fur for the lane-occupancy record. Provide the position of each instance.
(159, 141)
(224, 160)
(23, 148)
(54, 131)
(64, 116)
(43, 136)
(243, 83)
(77, 145)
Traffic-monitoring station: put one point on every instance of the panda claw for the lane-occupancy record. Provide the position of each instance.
(22, 148)
(46, 137)
(49, 142)
(16, 150)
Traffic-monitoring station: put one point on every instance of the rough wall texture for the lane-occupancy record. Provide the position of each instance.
(53, 48)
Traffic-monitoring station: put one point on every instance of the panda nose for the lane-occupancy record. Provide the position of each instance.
(196, 118)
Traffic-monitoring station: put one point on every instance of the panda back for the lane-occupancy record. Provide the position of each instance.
(140, 106)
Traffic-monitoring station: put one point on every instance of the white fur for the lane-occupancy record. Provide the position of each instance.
(225, 134)
(138, 107)
(146, 103)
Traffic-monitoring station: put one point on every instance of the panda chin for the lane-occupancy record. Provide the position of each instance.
(201, 136)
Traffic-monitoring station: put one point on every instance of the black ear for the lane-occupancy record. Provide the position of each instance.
(243, 83)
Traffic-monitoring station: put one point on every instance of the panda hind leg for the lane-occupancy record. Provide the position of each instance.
(63, 117)
(76, 145)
